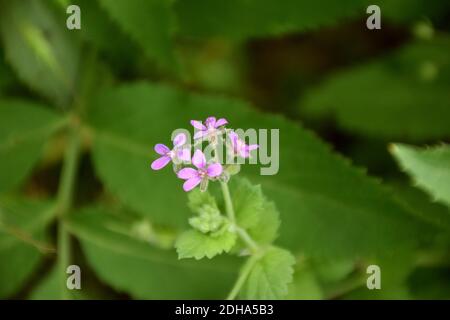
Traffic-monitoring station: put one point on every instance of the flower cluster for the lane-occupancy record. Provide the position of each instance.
(211, 130)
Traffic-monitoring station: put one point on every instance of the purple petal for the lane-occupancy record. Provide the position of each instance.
(244, 153)
(220, 122)
(184, 154)
(233, 137)
(179, 140)
(160, 162)
(199, 159)
(210, 122)
(161, 149)
(198, 125)
(252, 147)
(191, 183)
(200, 134)
(187, 173)
(214, 170)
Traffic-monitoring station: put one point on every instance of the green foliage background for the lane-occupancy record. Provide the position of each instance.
(81, 110)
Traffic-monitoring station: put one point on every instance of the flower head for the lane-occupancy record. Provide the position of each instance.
(167, 155)
(201, 174)
(239, 147)
(209, 128)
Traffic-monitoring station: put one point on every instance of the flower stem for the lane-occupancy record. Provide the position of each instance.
(246, 238)
(64, 202)
(245, 271)
(228, 204)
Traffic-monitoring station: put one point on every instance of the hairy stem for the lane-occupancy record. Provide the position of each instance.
(64, 202)
(245, 271)
(228, 204)
(246, 238)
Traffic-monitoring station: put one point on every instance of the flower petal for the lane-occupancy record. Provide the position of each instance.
(233, 137)
(198, 125)
(184, 154)
(191, 183)
(214, 170)
(220, 122)
(187, 173)
(252, 147)
(199, 159)
(210, 122)
(179, 140)
(160, 162)
(161, 149)
(243, 152)
(200, 134)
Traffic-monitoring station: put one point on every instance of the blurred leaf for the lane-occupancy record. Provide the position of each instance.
(39, 48)
(419, 203)
(394, 271)
(134, 266)
(24, 128)
(269, 276)
(149, 23)
(304, 285)
(403, 95)
(332, 271)
(18, 259)
(430, 168)
(412, 10)
(194, 244)
(6, 78)
(97, 27)
(49, 288)
(252, 18)
(258, 18)
(430, 283)
(327, 207)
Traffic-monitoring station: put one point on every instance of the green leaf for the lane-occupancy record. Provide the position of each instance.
(20, 220)
(430, 168)
(270, 276)
(402, 95)
(134, 266)
(254, 212)
(250, 18)
(248, 203)
(194, 244)
(305, 285)
(197, 200)
(40, 48)
(24, 128)
(420, 204)
(49, 288)
(258, 18)
(328, 207)
(149, 23)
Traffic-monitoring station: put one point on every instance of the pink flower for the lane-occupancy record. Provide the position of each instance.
(239, 146)
(203, 172)
(209, 128)
(177, 153)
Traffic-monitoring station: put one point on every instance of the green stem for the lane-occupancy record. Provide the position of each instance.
(64, 202)
(228, 204)
(245, 271)
(230, 213)
(245, 237)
